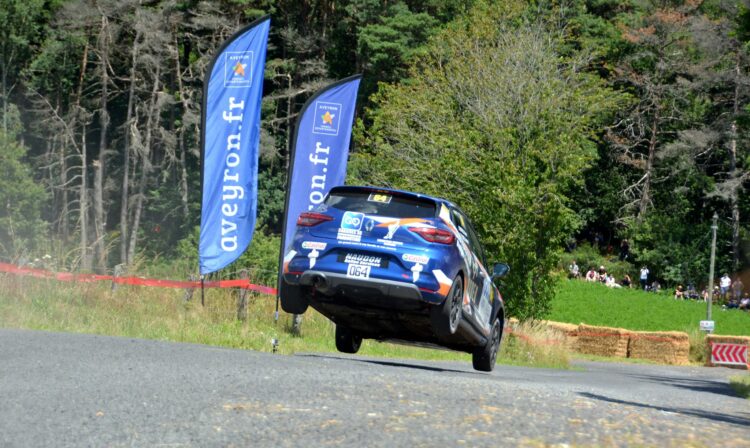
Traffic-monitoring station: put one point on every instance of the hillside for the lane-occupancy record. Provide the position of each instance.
(594, 304)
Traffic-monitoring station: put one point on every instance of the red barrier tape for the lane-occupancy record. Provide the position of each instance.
(136, 281)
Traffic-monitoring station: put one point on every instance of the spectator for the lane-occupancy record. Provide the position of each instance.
(731, 304)
(624, 250)
(737, 288)
(611, 282)
(626, 281)
(602, 274)
(679, 293)
(655, 286)
(691, 293)
(644, 277)
(573, 270)
(745, 303)
(591, 275)
(704, 294)
(725, 282)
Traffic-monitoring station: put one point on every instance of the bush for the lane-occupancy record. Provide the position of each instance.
(588, 256)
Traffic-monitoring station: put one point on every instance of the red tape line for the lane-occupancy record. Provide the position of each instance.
(136, 281)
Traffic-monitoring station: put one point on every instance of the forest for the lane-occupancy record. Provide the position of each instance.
(554, 124)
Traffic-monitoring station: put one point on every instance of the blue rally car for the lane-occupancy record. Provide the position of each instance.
(392, 265)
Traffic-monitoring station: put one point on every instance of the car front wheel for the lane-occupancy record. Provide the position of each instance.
(346, 340)
(484, 357)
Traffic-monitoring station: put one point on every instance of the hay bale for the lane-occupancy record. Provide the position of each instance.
(568, 333)
(602, 341)
(724, 339)
(666, 347)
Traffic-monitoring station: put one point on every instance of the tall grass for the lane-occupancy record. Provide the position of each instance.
(163, 314)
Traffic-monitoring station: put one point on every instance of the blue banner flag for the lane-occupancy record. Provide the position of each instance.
(230, 135)
(320, 150)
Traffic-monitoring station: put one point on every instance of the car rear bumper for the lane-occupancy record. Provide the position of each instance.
(329, 283)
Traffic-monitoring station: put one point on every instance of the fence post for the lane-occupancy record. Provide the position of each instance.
(119, 270)
(242, 299)
(189, 292)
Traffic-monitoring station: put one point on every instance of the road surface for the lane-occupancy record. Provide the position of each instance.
(82, 390)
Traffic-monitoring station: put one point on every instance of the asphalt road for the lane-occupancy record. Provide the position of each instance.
(81, 390)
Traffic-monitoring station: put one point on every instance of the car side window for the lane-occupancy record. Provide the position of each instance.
(476, 246)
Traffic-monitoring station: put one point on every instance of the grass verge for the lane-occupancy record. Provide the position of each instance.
(595, 304)
(163, 314)
(741, 385)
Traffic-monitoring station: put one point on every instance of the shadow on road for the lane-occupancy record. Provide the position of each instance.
(714, 416)
(390, 364)
(697, 385)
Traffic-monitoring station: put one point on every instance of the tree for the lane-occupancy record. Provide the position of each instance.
(496, 120)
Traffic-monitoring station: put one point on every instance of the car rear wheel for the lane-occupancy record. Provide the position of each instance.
(446, 317)
(484, 357)
(293, 298)
(346, 340)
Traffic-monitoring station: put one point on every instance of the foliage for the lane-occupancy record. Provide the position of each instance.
(495, 120)
(587, 256)
(22, 230)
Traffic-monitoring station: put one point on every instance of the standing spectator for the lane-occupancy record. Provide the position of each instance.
(591, 275)
(626, 281)
(737, 288)
(725, 283)
(624, 250)
(573, 270)
(644, 277)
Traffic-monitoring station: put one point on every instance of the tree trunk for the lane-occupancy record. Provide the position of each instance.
(151, 121)
(181, 134)
(126, 157)
(646, 192)
(82, 191)
(733, 174)
(99, 164)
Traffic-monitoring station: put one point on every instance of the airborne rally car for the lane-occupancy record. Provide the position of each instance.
(392, 265)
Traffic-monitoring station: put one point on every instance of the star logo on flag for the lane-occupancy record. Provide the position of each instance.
(328, 118)
(239, 69)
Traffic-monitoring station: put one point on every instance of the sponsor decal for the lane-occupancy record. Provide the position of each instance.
(379, 197)
(362, 260)
(357, 271)
(349, 235)
(316, 245)
(352, 221)
(392, 229)
(370, 225)
(287, 259)
(390, 243)
(238, 68)
(421, 259)
(327, 118)
(313, 256)
(415, 271)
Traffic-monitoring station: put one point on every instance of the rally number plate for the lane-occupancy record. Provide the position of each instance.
(357, 271)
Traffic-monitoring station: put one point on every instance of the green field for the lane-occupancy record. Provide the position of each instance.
(595, 304)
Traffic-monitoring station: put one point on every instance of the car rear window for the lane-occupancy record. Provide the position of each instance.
(381, 203)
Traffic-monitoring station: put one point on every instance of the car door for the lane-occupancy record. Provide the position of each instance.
(480, 291)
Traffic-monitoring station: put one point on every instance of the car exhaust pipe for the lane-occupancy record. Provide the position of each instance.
(320, 283)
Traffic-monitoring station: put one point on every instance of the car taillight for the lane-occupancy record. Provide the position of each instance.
(309, 219)
(434, 235)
